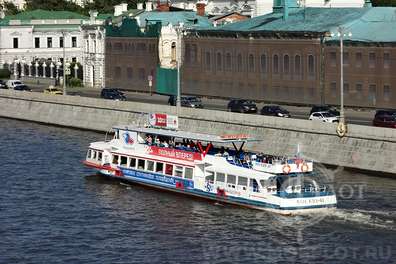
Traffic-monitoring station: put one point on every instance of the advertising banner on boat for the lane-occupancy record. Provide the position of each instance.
(164, 121)
(174, 153)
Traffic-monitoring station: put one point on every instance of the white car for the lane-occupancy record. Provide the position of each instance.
(324, 117)
(11, 84)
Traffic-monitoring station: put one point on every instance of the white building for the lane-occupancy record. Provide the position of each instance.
(35, 47)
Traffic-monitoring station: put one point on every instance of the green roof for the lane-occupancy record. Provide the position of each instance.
(130, 28)
(372, 24)
(40, 14)
(189, 18)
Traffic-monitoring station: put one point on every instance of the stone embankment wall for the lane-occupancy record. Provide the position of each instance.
(364, 147)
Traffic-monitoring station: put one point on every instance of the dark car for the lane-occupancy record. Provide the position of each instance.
(274, 110)
(325, 108)
(22, 87)
(242, 106)
(186, 101)
(112, 93)
(385, 118)
(3, 85)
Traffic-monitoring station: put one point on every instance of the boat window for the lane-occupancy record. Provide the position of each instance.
(178, 171)
(210, 176)
(93, 154)
(115, 159)
(188, 173)
(231, 179)
(254, 185)
(124, 161)
(263, 183)
(117, 134)
(169, 169)
(141, 163)
(89, 154)
(99, 156)
(220, 177)
(150, 165)
(243, 181)
(160, 167)
(132, 163)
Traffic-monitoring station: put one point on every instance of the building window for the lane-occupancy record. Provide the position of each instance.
(372, 60)
(239, 63)
(173, 51)
(387, 93)
(311, 65)
(142, 74)
(372, 94)
(228, 62)
(187, 53)
(251, 63)
(130, 73)
(263, 63)
(333, 59)
(333, 89)
(275, 64)
(207, 59)
(386, 60)
(219, 61)
(74, 42)
(286, 64)
(74, 59)
(358, 59)
(37, 43)
(15, 43)
(297, 64)
(345, 59)
(346, 89)
(140, 47)
(61, 42)
(49, 42)
(117, 72)
(194, 52)
(359, 90)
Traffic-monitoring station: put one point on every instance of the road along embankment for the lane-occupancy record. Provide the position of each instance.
(364, 147)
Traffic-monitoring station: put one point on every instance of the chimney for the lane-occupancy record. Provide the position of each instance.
(149, 6)
(92, 16)
(200, 9)
(163, 7)
(139, 6)
(2, 14)
(367, 3)
(124, 7)
(117, 10)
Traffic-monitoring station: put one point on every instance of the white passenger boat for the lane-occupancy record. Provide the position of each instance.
(214, 167)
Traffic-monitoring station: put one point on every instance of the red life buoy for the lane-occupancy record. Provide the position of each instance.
(286, 169)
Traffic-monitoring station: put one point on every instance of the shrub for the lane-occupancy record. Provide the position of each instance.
(5, 73)
(75, 82)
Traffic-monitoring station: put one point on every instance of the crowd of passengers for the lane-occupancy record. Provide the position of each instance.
(232, 155)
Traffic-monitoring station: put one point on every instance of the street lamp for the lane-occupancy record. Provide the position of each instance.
(64, 62)
(342, 127)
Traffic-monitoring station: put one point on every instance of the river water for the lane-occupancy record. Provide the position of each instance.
(54, 210)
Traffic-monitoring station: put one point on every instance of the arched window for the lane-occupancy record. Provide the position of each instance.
(311, 65)
(286, 64)
(239, 62)
(263, 63)
(173, 51)
(275, 64)
(228, 61)
(297, 64)
(251, 63)
(207, 59)
(219, 61)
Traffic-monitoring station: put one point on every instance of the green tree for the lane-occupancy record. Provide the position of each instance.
(383, 2)
(9, 8)
(107, 6)
(56, 5)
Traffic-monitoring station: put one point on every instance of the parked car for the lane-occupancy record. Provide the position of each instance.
(242, 106)
(112, 93)
(12, 83)
(385, 118)
(3, 85)
(186, 101)
(324, 117)
(274, 110)
(324, 108)
(22, 87)
(52, 90)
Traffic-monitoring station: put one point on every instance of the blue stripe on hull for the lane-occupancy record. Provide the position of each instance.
(169, 183)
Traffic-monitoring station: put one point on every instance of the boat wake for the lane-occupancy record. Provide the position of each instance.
(377, 219)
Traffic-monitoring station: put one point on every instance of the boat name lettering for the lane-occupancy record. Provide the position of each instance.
(173, 153)
(311, 201)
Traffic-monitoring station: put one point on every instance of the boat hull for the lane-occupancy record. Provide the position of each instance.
(148, 180)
